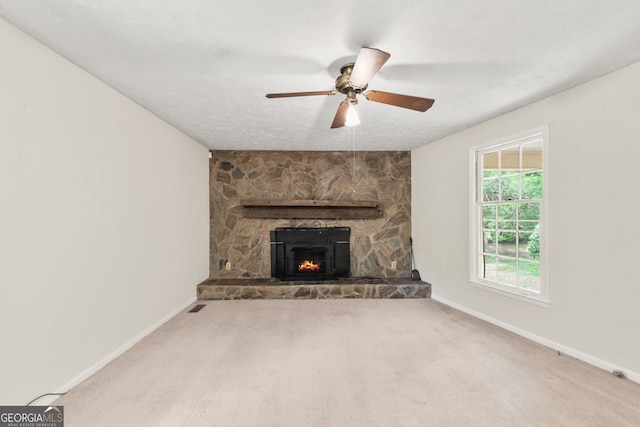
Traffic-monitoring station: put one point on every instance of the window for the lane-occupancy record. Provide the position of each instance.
(508, 215)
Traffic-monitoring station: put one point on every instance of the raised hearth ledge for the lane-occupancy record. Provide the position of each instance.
(271, 288)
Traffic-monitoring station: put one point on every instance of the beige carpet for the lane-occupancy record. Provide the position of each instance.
(345, 363)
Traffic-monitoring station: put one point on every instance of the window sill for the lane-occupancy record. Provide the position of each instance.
(511, 294)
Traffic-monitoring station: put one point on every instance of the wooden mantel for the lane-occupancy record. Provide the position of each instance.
(311, 209)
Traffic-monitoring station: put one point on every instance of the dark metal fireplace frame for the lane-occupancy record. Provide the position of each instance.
(329, 247)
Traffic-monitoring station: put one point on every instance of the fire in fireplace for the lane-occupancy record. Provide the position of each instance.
(307, 265)
(310, 253)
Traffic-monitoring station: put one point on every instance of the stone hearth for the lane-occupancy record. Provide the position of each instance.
(272, 288)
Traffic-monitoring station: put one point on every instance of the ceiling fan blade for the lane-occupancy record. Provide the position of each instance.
(341, 116)
(404, 101)
(290, 94)
(368, 62)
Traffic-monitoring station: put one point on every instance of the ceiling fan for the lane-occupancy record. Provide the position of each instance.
(353, 80)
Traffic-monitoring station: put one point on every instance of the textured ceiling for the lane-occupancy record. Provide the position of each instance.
(205, 66)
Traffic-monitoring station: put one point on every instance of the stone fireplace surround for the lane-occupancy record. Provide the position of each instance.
(240, 245)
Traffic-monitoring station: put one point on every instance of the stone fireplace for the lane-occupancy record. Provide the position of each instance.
(310, 253)
(240, 245)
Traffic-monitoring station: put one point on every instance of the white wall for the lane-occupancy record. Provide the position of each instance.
(103, 220)
(594, 223)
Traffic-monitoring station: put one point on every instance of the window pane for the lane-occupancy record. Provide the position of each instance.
(507, 212)
(532, 155)
(489, 216)
(507, 271)
(489, 268)
(527, 225)
(510, 187)
(490, 179)
(530, 242)
(532, 185)
(489, 243)
(507, 225)
(490, 189)
(490, 161)
(510, 159)
(529, 211)
(507, 243)
(529, 275)
(524, 238)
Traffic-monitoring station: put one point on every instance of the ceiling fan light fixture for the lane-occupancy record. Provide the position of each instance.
(352, 116)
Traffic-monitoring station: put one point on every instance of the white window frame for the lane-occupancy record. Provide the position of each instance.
(475, 218)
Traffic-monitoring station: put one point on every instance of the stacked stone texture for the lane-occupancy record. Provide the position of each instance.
(314, 175)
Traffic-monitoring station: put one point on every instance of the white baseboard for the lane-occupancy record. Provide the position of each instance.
(602, 364)
(47, 400)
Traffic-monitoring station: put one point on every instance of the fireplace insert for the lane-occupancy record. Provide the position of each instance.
(310, 253)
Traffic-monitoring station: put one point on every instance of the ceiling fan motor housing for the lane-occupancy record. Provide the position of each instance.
(342, 82)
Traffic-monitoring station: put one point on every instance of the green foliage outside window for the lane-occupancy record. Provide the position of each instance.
(507, 187)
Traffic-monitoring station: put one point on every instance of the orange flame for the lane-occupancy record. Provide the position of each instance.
(307, 265)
